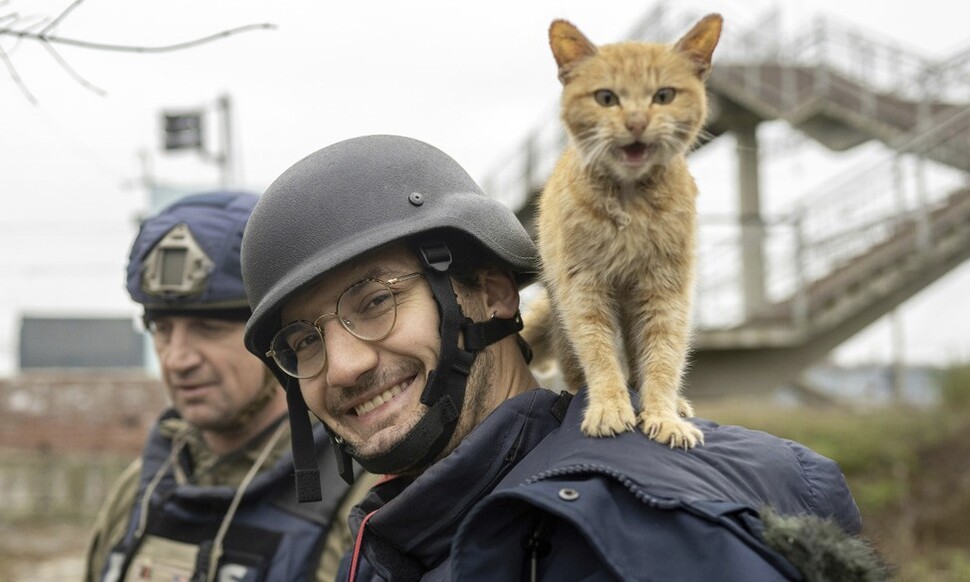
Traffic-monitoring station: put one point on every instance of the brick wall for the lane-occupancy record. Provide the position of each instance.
(83, 411)
(66, 435)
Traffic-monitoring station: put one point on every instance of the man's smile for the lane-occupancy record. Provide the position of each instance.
(385, 396)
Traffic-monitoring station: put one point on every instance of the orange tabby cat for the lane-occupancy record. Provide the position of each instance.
(616, 225)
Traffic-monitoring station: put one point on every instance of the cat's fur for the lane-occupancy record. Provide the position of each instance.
(617, 226)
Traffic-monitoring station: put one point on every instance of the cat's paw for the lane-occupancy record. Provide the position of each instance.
(671, 430)
(608, 420)
(684, 409)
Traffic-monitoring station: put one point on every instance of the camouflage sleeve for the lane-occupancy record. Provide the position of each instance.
(111, 520)
(339, 541)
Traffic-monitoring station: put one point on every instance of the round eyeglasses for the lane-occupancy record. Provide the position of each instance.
(367, 310)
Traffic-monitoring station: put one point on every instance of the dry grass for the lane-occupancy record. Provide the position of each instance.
(908, 470)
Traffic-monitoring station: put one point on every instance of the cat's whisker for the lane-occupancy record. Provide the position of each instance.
(592, 146)
(703, 136)
(685, 136)
(601, 151)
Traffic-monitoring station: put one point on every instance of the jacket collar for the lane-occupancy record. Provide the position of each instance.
(414, 523)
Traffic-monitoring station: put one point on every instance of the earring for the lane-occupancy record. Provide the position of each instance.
(494, 313)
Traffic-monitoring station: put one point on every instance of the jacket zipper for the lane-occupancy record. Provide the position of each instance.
(537, 546)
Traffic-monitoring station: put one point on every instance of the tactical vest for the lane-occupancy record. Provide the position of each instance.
(269, 536)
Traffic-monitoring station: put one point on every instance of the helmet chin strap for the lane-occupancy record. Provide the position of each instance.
(305, 467)
(444, 393)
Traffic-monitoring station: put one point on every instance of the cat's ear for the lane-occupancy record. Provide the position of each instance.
(569, 46)
(699, 42)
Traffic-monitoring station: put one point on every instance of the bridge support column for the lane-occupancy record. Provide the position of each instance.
(752, 225)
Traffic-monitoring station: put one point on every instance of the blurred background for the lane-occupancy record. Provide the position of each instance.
(831, 304)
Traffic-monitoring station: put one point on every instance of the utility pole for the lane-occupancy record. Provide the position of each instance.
(898, 364)
(185, 130)
(227, 157)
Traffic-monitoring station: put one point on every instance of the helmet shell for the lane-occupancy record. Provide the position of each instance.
(354, 196)
(215, 222)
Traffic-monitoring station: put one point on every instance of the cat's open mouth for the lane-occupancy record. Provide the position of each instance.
(636, 153)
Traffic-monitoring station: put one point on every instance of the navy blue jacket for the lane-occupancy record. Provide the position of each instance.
(527, 495)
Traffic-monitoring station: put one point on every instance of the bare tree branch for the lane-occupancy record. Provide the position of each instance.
(74, 74)
(39, 36)
(47, 40)
(39, 22)
(61, 16)
(16, 77)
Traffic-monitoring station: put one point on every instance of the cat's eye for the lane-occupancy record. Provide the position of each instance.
(664, 95)
(606, 98)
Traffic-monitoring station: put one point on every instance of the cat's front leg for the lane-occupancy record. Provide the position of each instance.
(590, 321)
(662, 346)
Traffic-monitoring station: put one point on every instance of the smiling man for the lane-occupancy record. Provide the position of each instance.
(211, 498)
(373, 398)
(385, 295)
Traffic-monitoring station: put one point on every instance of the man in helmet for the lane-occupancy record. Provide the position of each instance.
(212, 496)
(384, 288)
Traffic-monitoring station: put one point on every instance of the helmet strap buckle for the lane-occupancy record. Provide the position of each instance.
(436, 256)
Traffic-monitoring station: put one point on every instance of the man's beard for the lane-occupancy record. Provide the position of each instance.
(367, 383)
(478, 393)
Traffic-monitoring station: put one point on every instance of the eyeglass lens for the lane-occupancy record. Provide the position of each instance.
(366, 309)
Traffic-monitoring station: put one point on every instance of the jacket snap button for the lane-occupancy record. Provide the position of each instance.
(416, 199)
(568, 494)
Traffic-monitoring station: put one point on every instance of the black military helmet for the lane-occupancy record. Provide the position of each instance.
(352, 197)
(357, 195)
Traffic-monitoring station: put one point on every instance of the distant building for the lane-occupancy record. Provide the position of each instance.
(80, 342)
(870, 385)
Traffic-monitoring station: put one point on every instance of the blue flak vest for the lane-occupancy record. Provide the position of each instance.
(270, 537)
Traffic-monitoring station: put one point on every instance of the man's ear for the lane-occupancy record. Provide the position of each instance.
(501, 293)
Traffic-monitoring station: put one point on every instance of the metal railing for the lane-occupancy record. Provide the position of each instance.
(847, 218)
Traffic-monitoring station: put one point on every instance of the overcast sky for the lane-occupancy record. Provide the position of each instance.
(469, 77)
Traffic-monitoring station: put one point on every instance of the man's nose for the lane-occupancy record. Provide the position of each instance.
(348, 356)
(180, 353)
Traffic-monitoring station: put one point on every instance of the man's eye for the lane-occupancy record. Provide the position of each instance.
(306, 342)
(214, 326)
(160, 329)
(376, 303)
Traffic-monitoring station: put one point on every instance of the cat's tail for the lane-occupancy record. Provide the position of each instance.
(537, 331)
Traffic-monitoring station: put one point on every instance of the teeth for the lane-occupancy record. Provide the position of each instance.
(379, 399)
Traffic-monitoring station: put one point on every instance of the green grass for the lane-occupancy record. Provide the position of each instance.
(954, 384)
(879, 453)
(943, 566)
(859, 441)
